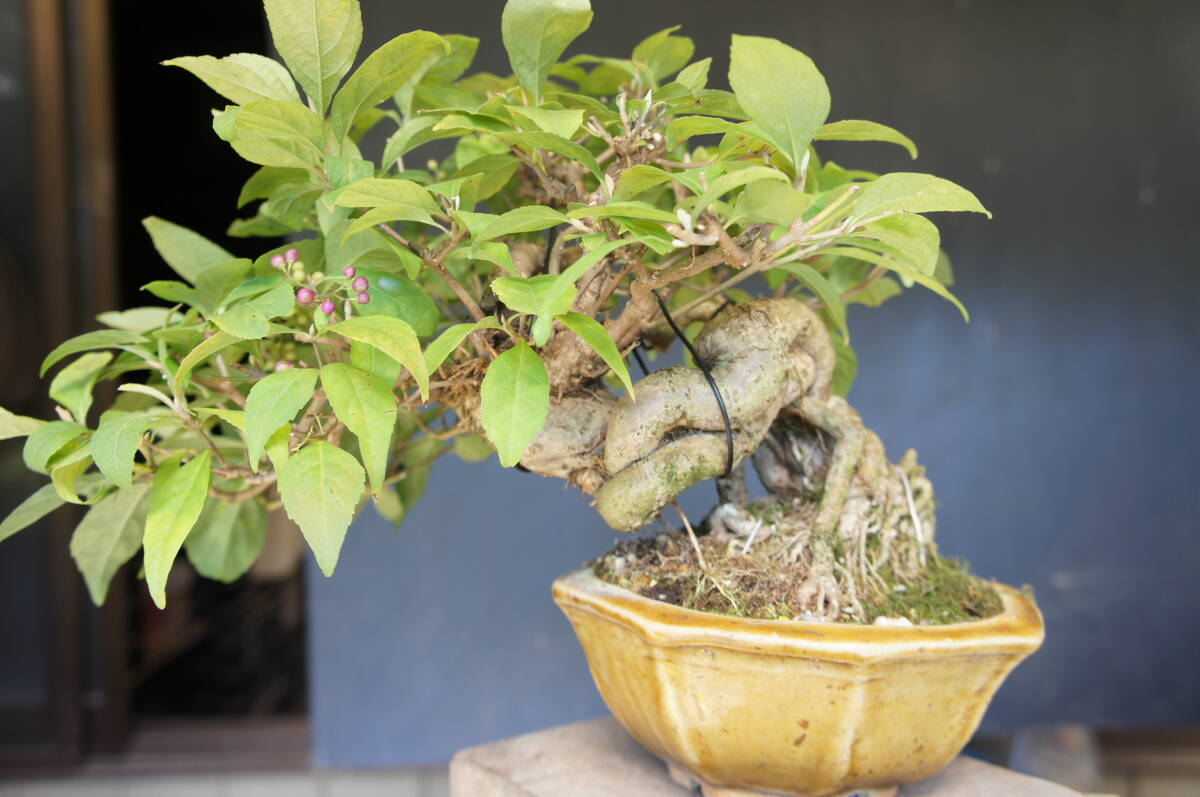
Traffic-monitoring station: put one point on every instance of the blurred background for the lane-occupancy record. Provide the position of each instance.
(1059, 427)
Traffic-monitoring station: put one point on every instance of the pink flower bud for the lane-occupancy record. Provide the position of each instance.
(291, 255)
(349, 271)
(277, 261)
(327, 307)
(364, 297)
(305, 296)
(284, 365)
(360, 284)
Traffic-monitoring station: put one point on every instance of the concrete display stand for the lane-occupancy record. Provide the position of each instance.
(599, 759)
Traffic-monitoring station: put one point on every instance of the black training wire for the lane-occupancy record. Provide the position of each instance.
(637, 355)
(712, 383)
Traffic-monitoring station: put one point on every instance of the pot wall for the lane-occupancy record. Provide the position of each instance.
(784, 705)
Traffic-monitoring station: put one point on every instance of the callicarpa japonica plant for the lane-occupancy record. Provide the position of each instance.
(490, 301)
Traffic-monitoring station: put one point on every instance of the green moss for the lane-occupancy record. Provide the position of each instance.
(944, 593)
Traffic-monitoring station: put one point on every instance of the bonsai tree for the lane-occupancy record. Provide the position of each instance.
(488, 300)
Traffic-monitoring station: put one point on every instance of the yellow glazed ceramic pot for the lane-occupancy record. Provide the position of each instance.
(788, 707)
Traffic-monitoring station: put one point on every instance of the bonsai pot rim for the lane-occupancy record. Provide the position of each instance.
(1018, 629)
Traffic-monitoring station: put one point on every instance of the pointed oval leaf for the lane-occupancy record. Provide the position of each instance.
(321, 486)
(367, 406)
(273, 401)
(910, 192)
(242, 77)
(184, 250)
(537, 32)
(318, 40)
(47, 440)
(13, 425)
(391, 336)
(88, 341)
(44, 501)
(382, 73)
(514, 401)
(781, 89)
(227, 539)
(176, 501)
(108, 537)
(72, 386)
(862, 130)
(593, 333)
(114, 444)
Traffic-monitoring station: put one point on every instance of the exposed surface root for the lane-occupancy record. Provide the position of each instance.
(767, 580)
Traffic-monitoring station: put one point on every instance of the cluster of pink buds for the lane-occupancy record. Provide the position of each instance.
(306, 295)
(358, 284)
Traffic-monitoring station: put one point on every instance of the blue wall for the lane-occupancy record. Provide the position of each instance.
(1059, 426)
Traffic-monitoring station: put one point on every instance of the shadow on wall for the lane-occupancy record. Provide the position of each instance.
(1057, 426)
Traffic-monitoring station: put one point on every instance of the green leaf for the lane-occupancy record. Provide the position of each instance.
(449, 340)
(386, 214)
(393, 295)
(172, 291)
(72, 386)
(13, 425)
(902, 270)
(267, 180)
(524, 219)
(770, 202)
(227, 539)
(318, 40)
(241, 78)
(373, 361)
(914, 239)
(108, 537)
(684, 127)
(176, 501)
(215, 282)
(46, 441)
(413, 133)
(623, 210)
(862, 130)
(64, 475)
(845, 369)
(279, 133)
(781, 89)
(377, 192)
(531, 294)
(139, 319)
(249, 320)
(593, 333)
(366, 405)
(909, 192)
(639, 178)
(664, 54)
(235, 418)
(320, 487)
(196, 356)
(382, 73)
(183, 250)
(816, 282)
(44, 501)
(273, 401)
(88, 341)
(695, 76)
(514, 399)
(473, 448)
(391, 336)
(562, 123)
(728, 182)
(536, 33)
(115, 442)
(550, 142)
